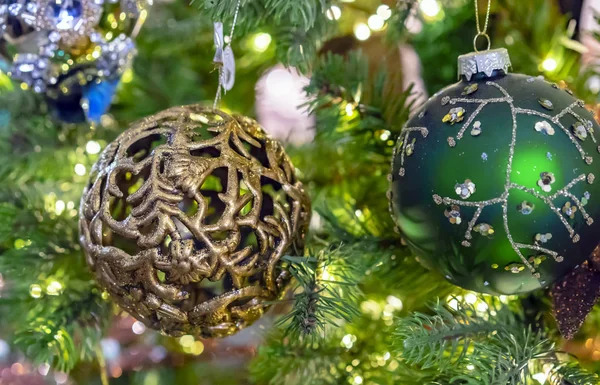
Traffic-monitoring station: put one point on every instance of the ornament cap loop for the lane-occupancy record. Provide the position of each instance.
(485, 62)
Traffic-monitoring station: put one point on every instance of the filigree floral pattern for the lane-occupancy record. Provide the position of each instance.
(186, 218)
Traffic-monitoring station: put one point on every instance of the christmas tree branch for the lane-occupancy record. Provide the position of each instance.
(326, 293)
(488, 344)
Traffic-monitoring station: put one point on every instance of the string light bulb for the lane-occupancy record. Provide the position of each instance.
(334, 12)
(549, 64)
(384, 12)
(430, 8)
(376, 22)
(262, 41)
(362, 31)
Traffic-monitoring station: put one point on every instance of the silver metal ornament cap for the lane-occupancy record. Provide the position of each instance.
(484, 61)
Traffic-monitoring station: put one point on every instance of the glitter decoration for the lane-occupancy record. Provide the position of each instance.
(455, 115)
(580, 131)
(514, 267)
(421, 114)
(547, 104)
(546, 181)
(525, 207)
(445, 100)
(484, 229)
(544, 127)
(476, 130)
(569, 210)
(550, 192)
(536, 260)
(453, 215)
(575, 294)
(405, 146)
(471, 88)
(465, 190)
(586, 198)
(543, 238)
(410, 148)
(73, 52)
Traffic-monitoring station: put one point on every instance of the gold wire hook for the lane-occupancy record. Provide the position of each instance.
(483, 32)
(486, 36)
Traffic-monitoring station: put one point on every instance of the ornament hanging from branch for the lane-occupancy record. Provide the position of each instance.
(72, 51)
(187, 217)
(512, 159)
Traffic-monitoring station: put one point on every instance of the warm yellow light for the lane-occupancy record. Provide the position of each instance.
(349, 109)
(362, 31)
(262, 41)
(376, 22)
(186, 341)
(59, 207)
(334, 12)
(348, 341)
(80, 169)
(35, 291)
(92, 147)
(197, 348)
(54, 288)
(430, 8)
(470, 298)
(395, 302)
(549, 64)
(384, 12)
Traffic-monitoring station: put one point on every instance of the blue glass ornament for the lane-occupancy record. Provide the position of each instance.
(98, 97)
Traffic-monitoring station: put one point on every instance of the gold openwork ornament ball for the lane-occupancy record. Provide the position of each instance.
(186, 218)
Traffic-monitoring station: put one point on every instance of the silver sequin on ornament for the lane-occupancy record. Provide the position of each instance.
(476, 130)
(465, 190)
(579, 131)
(569, 210)
(544, 127)
(515, 268)
(471, 88)
(547, 104)
(410, 148)
(453, 215)
(546, 181)
(455, 115)
(586, 198)
(525, 207)
(484, 229)
(542, 238)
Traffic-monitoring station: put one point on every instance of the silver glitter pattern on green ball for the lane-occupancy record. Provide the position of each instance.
(503, 199)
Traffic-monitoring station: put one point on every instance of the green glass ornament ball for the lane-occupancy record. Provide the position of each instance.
(493, 183)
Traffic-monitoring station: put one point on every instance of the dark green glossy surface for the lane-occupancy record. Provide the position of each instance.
(435, 168)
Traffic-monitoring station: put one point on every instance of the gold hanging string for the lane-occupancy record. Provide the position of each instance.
(480, 32)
